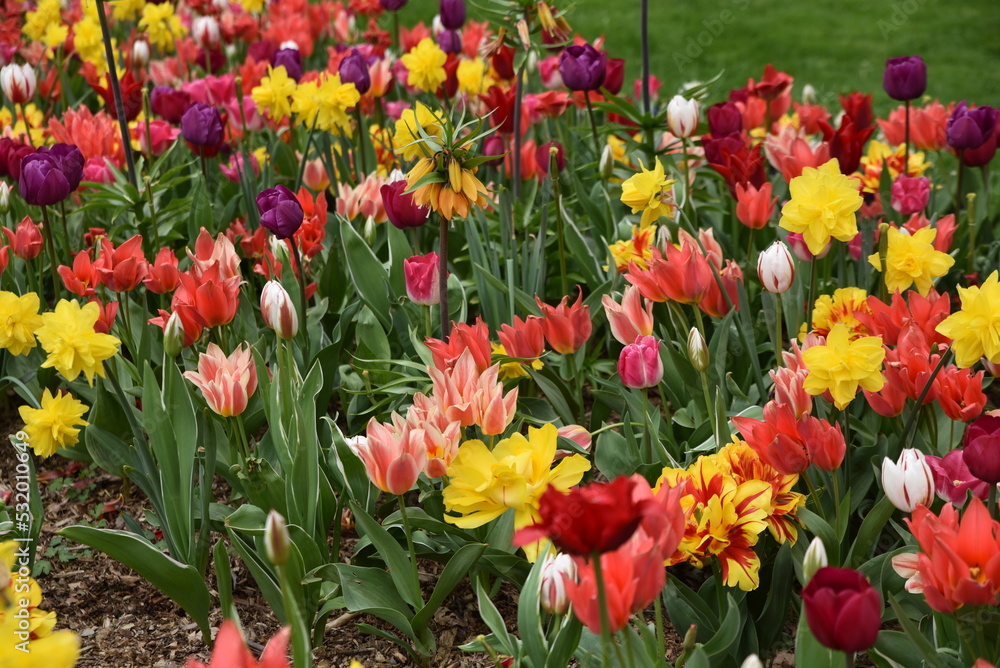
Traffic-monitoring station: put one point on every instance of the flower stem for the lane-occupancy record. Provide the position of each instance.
(647, 439)
(557, 196)
(593, 126)
(812, 293)
(912, 420)
(906, 143)
(302, 301)
(661, 641)
(644, 28)
(116, 91)
(991, 502)
(51, 246)
(361, 144)
(778, 343)
(305, 151)
(443, 279)
(409, 542)
(515, 159)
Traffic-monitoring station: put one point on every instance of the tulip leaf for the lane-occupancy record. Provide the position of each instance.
(492, 618)
(868, 534)
(224, 581)
(369, 276)
(394, 556)
(181, 582)
(566, 641)
(452, 574)
(613, 455)
(262, 574)
(728, 632)
(529, 621)
(372, 590)
(685, 607)
(919, 640)
(809, 652)
(819, 527)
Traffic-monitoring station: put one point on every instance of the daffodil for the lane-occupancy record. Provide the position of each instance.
(912, 260)
(425, 66)
(18, 321)
(67, 335)
(975, 328)
(36, 22)
(126, 10)
(409, 127)
(271, 96)
(823, 204)
(162, 25)
(474, 77)
(843, 365)
(324, 102)
(485, 484)
(649, 191)
(56, 424)
(510, 370)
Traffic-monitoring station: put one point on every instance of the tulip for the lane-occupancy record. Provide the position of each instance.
(752, 661)
(843, 610)
(393, 5)
(775, 268)
(229, 650)
(682, 116)
(556, 570)
(201, 127)
(212, 299)
(169, 103)
(400, 208)
(42, 182)
(697, 350)
(393, 458)
(754, 206)
(631, 318)
(122, 269)
(639, 363)
(614, 75)
(26, 240)
(577, 434)
(205, 31)
(140, 53)
(606, 165)
(277, 542)
(971, 128)
(910, 194)
(11, 154)
(953, 480)
(724, 118)
(450, 41)
(226, 382)
(566, 327)
(4, 197)
(524, 339)
(278, 311)
(18, 83)
(909, 481)
(280, 211)
(290, 59)
(905, 78)
(981, 449)
(814, 560)
(173, 335)
(452, 14)
(423, 278)
(544, 153)
(354, 69)
(582, 67)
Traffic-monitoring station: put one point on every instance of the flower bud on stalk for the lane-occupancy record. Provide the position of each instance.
(173, 336)
(140, 53)
(814, 560)
(909, 481)
(4, 197)
(278, 311)
(277, 542)
(606, 166)
(752, 661)
(682, 116)
(775, 268)
(639, 364)
(555, 571)
(697, 350)
(18, 83)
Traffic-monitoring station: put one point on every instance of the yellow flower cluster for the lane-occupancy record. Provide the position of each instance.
(880, 155)
(975, 328)
(651, 192)
(56, 424)
(323, 103)
(459, 191)
(36, 23)
(88, 41)
(162, 25)
(273, 93)
(912, 260)
(474, 77)
(823, 204)
(840, 307)
(638, 249)
(18, 321)
(425, 66)
(842, 365)
(126, 10)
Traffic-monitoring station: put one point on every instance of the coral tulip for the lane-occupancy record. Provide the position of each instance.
(227, 382)
(566, 328)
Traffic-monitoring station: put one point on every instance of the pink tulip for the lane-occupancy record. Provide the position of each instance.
(227, 382)
(632, 318)
(639, 364)
(910, 194)
(393, 458)
(465, 395)
(423, 283)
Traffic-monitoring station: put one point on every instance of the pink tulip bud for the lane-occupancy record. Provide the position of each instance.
(775, 268)
(639, 364)
(423, 279)
(802, 251)
(910, 194)
(630, 318)
(555, 571)
(577, 434)
(278, 311)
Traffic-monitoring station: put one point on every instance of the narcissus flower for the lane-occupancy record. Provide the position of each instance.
(848, 306)
(67, 334)
(823, 204)
(161, 24)
(273, 93)
(425, 66)
(912, 260)
(407, 131)
(323, 103)
(18, 321)
(56, 424)
(841, 365)
(649, 191)
(975, 328)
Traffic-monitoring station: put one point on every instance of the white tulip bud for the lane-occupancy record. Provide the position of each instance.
(776, 268)
(17, 82)
(4, 197)
(606, 166)
(555, 570)
(140, 53)
(809, 94)
(205, 31)
(908, 481)
(682, 116)
(814, 560)
(173, 335)
(752, 661)
(278, 311)
(697, 350)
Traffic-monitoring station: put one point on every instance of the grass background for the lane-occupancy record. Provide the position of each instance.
(837, 46)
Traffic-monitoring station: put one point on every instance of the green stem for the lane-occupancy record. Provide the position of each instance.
(363, 160)
(661, 641)
(992, 501)
(688, 194)
(779, 345)
(720, 597)
(116, 92)
(557, 196)
(51, 246)
(906, 151)
(428, 327)
(443, 279)
(409, 542)
(812, 293)
(647, 439)
(912, 421)
(303, 320)
(593, 126)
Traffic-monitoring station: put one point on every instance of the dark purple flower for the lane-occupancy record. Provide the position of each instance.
(492, 146)
(292, 61)
(583, 68)
(399, 206)
(452, 14)
(280, 211)
(11, 153)
(981, 449)
(392, 5)
(905, 78)
(724, 118)
(42, 181)
(354, 69)
(970, 128)
(450, 41)
(168, 103)
(201, 127)
(70, 162)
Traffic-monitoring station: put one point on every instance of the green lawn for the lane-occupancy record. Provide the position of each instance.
(836, 46)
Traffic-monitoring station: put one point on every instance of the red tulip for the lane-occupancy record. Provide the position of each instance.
(566, 327)
(843, 610)
(475, 338)
(26, 239)
(123, 268)
(163, 276)
(83, 278)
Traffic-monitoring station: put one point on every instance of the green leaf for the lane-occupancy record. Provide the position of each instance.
(529, 622)
(819, 527)
(868, 534)
(372, 590)
(367, 273)
(613, 456)
(452, 574)
(728, 632)
(393, 554)
(224, 582)
(182, 583)
(918, 639)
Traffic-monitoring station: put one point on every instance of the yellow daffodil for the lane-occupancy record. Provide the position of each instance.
(409, 125)
(638, 249)
(88, 42)
(485, 484)
(162, 25)
(271, 96)
(425, 66)
(126, 10)
(474, 77)
(823, 204)
(725, 520)
(324, 103)
(842, 365)
(55, 35)
(18, 321)
(649, 191)
(46, 13)
(841, 307)
(67, 335)
(975, 328)
(56, 424)
(912, 260)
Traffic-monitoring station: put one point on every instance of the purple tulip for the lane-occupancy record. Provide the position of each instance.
(168, 103)
(493, 146)
(69, 160)
(583, 68)
(354, 69)
(452, 14)
(970, 128)
(42, 182)
(981, 449)
(450, 41)
(724, 118)
(392, 5)
(905, 78)
(280, 211)
(201, 126)
(291, 59)
(399, 206)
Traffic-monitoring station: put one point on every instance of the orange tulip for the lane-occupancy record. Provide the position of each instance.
(123, 268)
(226, 382)
(214, 300)
(566, 327)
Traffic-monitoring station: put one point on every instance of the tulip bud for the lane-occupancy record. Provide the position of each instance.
(691, 639)
(697, 350)
(4, 197)
(814, 560)
(909, 481)
(280, 211)
(423, 282)
(640, 365)
(682, 116)
(775, 268)
(809, 95)
(606, 166)
(278, 311)
(577, 434)
(140, 53)
(18, 82)
(279, 249)
(205, 31)
(752, 661)
(555, 571)
(452, 14)
(277, 542)
(173, 336)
